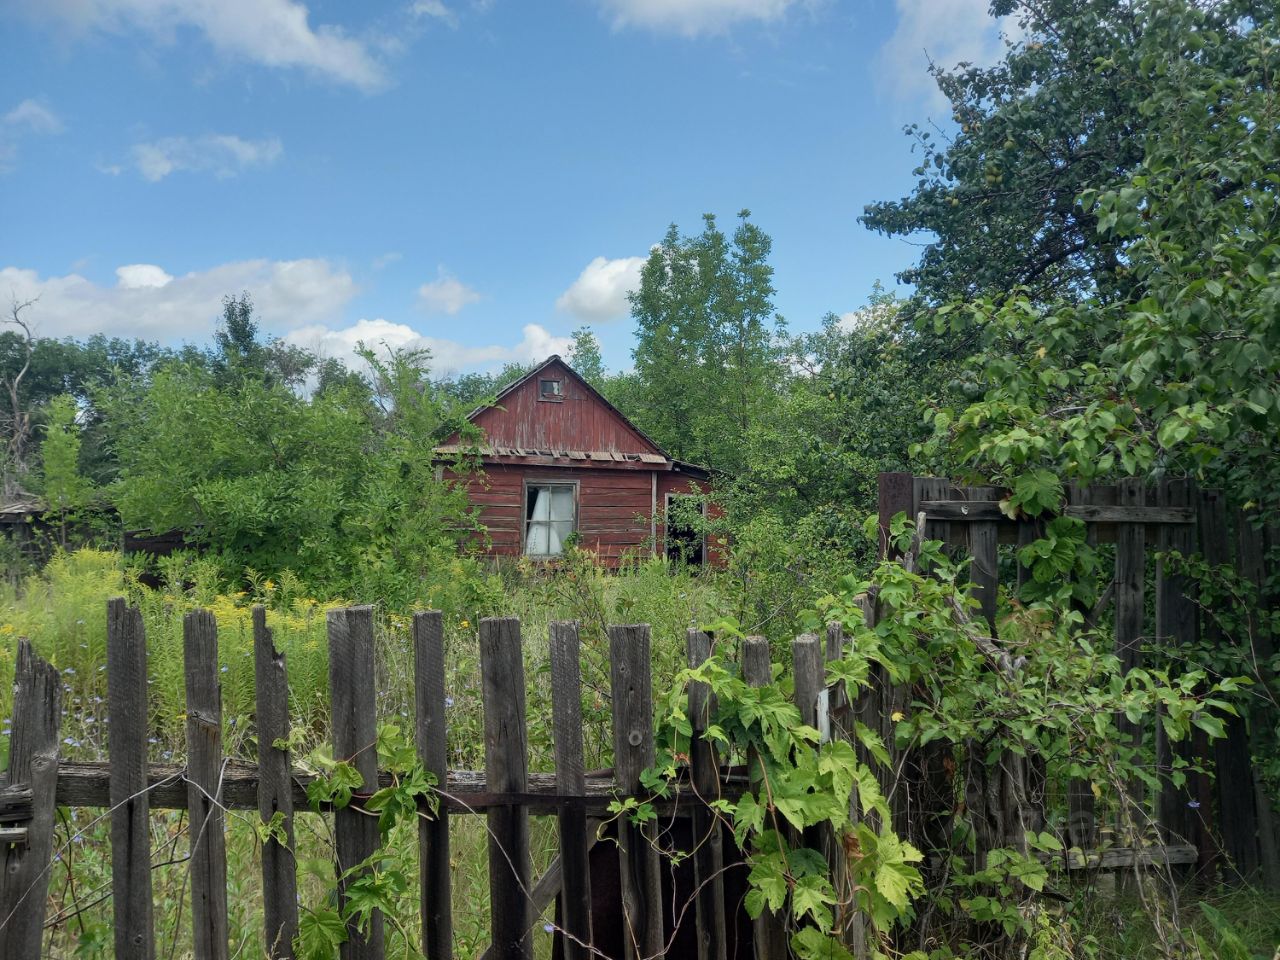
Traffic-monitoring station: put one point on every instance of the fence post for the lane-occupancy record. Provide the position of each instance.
(355, 735)
(1176, 624)
(1250, 544)
(1234, 767)
(127, 716)
(275, 792)
(633, 748)
(566, 734)
(430, 735)
(708, 857)
(768, 929)
(33, 763)
(506, 771)
(204, 787)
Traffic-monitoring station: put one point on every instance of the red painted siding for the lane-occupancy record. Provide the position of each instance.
(614, 506)
(579, 421)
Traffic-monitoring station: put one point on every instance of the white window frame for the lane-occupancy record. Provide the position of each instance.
(534, 483)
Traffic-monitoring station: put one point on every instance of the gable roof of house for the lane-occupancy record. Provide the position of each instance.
(657, 459)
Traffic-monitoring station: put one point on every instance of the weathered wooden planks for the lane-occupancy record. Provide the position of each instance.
(127, 715)
(633, 750)
(274, 792)
(355, 734)
(566, 734)
(33, 774)
(430, 731)
(708, 857)
(204, 787)
(506, 768)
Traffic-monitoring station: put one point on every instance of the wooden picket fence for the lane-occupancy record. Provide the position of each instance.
(1222, 821)
(505, 792)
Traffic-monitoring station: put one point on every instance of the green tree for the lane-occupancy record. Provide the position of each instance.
(995, 200)
(65, 490)
(585, 357)
(707, 341)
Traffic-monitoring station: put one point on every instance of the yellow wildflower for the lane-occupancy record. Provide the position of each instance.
(897, 715)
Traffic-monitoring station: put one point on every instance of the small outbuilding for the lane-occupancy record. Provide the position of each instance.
(562, 465)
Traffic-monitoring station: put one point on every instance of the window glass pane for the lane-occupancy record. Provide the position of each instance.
(549, 518)
(562, 503)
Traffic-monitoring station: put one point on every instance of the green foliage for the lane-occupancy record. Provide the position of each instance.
(340, 487)
(996, 199)
(707, 348)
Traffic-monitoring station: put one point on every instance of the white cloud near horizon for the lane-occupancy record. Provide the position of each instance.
(223, 155)
(446, 294)
(150, 303)
(944, 31)
(447, 356)
(691, 18)
(273, 33)
(600, 292)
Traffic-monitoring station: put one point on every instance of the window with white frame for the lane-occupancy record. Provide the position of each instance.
(550, 517)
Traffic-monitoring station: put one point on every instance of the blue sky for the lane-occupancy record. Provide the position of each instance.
(479, 177)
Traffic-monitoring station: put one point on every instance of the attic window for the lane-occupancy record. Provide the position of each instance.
(551, 390)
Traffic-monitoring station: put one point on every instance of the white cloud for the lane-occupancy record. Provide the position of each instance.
(690, 18)
(944, 31)
(29, 118)
(445, 294)
(33, 117)
(436, 10)
(448, 356)
(147, 302)
(223, 155)
(600, 292)
(135, 275)
(274, 33)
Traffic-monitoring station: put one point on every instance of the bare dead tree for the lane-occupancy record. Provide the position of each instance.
(17, 417)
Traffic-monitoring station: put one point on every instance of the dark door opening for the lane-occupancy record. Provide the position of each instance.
(686, 542)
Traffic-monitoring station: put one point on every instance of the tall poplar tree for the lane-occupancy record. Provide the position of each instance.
(708, 342)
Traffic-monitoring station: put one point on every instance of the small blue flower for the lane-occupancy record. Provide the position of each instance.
(448, 701)
(549, 927)
(223, 669)
(70, 672)
(1193, 804)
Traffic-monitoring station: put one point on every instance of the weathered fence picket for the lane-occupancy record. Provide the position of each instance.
(25, 857)
(275, 793)
(506, 771)
(566, 736)
(204, 787)
(708, 857)
(127, 715)
(631, 684)
(355, 736)
(430, 737)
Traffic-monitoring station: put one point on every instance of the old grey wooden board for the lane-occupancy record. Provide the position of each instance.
(434, 874)
(127, 715)
(566, 735)
(355, 735)
(631, 685)
(208, 866)
(506, 768)
(274, 792)
(32, 782)
(708, 838)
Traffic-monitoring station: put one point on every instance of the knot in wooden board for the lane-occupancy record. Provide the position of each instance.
(635, 738)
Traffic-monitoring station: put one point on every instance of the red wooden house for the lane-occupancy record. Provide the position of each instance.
(560, 461)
